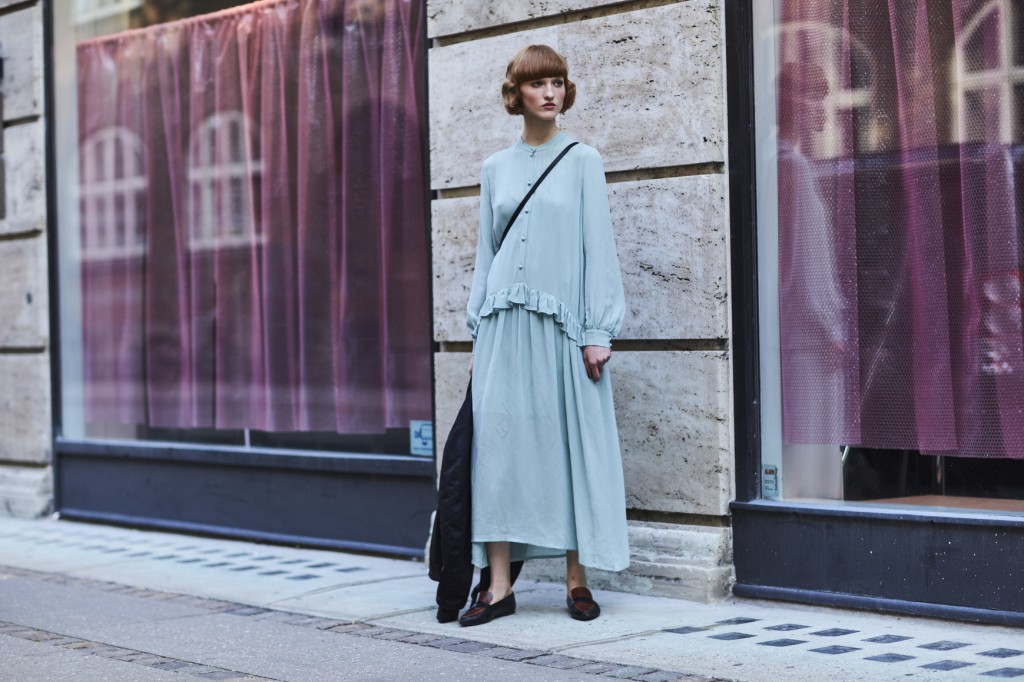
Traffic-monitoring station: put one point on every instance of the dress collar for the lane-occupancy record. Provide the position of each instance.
(560, 137)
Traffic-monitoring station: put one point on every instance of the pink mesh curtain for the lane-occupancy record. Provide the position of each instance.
(901, 190)
(253, 209)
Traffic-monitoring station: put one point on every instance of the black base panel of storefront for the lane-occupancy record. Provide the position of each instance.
(927, 563)
(356, 502)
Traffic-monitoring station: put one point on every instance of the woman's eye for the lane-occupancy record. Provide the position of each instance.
(559, 83)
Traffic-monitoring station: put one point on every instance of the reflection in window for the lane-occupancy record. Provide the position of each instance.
(223, 178)
(113, 191)
(848, 72)
(989, 76)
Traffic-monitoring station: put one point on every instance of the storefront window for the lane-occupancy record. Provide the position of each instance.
(243, 223)
(890, 171)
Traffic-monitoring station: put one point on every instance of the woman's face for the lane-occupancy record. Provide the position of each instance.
(543, 97)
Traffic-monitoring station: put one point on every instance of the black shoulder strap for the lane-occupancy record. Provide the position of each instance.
(534, 189)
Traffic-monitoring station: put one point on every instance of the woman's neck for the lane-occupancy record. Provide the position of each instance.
(537, 132)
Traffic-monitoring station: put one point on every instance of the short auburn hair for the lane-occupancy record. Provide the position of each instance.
(533, 62)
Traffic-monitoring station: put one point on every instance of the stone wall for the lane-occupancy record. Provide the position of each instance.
(651, 99)
(25, 422)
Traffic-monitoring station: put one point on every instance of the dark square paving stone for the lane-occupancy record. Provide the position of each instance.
(628, 672)
(468, 647)
(224, 676)
(421, 638)
(595, 668)
(738, 621)
(320, 565)
(944, 645)
(887, 639)
(350, 569)
(1002, 653)
(350, 627)
(496, 652)
(1005, 672)
(304, 576)
(170, 665)
(217, 564)
(558, 661)
(729, 636)
(239, 569)
(685, 630)
(245, 611)
(236, 555)
(783, 642)
(946, 665)
(519, 654)
(659, 676)
(834, 632)
(835, 650)
(786, 627)
(889, 658)
(271, 572)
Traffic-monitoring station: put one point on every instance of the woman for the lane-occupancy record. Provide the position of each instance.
(544, 307)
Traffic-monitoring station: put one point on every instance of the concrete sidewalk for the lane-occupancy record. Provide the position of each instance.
(297, 614)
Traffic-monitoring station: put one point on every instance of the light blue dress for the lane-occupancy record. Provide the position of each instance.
(546, 467)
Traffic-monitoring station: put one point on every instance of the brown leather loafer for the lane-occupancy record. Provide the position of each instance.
(582, 605)
(483, 611)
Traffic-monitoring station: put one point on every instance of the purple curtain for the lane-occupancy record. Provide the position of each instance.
(254, 235)
(901, 190)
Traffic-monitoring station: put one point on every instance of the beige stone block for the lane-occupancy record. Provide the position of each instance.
(672, 409)
(455, 225)
(23, 293)
(667, 560)
(26, 492)
(670, 236)
(650, 91)
(25, 424)
(450, 17)
(21, 44)
(451, 377)
(24, 190)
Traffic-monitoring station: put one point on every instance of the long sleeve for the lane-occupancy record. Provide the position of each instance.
(485, 251)
(604, 300)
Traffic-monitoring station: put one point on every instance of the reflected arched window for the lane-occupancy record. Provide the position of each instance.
(848, 69)
(989, 75)
(224, 174)
(112, 192)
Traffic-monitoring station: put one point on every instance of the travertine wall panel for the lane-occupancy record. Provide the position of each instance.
(650, 91)
(24, 191)
(449, 17)
(670, 235)
(26, 492)
(688, 562)
(21, 52)
(672, 410)
(25, 407)
(454, 229)
(451, 378)
(23, 309)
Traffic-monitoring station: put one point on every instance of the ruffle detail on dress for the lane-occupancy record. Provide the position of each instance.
(535, 301)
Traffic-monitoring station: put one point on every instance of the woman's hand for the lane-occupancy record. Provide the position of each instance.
(595, 358)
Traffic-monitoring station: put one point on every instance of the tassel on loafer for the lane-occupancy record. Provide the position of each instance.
(582, 605)
(483, 611)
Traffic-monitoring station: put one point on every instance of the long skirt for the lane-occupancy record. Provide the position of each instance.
(546, 467)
